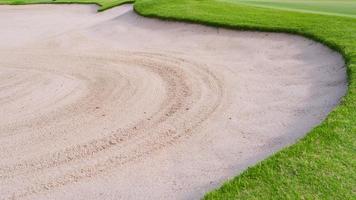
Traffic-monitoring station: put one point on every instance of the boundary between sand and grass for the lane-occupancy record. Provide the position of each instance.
(319, 166)
(102, 4)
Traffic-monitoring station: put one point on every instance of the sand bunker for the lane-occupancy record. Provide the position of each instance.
(116, 106)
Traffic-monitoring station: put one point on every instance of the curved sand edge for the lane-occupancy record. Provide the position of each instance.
(112, 105)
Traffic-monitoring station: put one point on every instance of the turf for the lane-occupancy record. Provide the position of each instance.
(340, 7)
(322, 165)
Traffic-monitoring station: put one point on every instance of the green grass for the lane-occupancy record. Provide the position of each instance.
(322, 165)
(103, 4)
(339, 7)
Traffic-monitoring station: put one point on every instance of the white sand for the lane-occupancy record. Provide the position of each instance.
(115, 106)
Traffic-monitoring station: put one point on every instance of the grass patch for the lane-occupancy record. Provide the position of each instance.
(322, 165)
(17, 2)
(341, 7)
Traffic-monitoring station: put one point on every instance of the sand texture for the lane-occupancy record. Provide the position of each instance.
(116, 106)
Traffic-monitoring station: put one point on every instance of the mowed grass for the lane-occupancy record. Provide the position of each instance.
(322, 165)
(103, 4)
(337, 7)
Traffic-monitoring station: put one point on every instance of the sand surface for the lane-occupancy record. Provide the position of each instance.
(116, 106)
